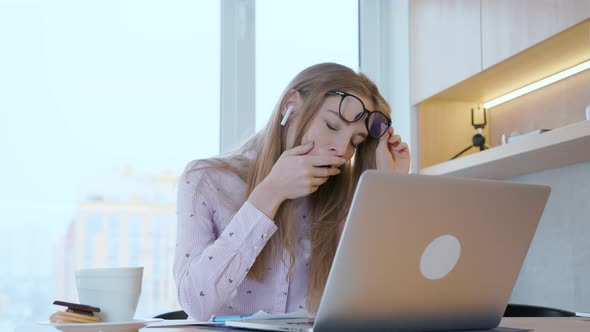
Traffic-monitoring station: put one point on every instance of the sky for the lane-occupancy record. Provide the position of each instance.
(90, 88)
(291, 37)
(81, 97)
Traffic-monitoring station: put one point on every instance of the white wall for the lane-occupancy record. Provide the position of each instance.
(556, 272)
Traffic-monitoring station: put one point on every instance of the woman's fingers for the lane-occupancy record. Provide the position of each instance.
(401, 147)
(324, 172)
(316, 182)
(325, 160)
(395, 140)
(300, 150)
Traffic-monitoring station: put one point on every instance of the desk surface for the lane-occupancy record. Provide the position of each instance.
(549, 324)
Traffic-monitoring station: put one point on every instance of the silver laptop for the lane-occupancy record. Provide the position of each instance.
(425, 253)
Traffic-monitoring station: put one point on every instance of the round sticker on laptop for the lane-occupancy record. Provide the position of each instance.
(440, 257)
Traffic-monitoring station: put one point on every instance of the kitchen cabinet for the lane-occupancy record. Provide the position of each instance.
(509, 27)
(445, 38)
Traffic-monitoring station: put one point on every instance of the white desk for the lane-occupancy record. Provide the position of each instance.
(575, 324)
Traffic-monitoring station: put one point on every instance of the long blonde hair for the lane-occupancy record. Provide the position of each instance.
(330, 203)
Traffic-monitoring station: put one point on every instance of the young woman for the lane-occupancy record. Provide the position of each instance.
(258, 229)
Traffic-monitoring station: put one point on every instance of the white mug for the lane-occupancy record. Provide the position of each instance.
(115, 291)
(588, 112)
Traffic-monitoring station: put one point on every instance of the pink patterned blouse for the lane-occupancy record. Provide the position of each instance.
(218, 242)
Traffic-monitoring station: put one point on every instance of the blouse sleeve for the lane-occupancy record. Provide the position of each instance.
(208, 270)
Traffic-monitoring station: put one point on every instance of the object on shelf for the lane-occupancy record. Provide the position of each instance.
(516, 136)
(478, 140)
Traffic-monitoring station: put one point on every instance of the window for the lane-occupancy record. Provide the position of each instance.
(103, 103)
(290, 37)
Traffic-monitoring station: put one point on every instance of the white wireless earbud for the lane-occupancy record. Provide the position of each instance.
(286, 117)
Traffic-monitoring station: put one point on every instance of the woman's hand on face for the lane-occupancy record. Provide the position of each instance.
(296, 174)
(392, 153)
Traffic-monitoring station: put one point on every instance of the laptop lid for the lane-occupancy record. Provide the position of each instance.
(429, 253)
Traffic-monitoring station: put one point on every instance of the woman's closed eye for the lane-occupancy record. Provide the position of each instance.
(335, 128)
(331, 127)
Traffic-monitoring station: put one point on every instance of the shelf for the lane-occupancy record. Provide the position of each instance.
(559, 147)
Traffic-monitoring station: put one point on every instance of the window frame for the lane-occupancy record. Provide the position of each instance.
(384, 54)
(237, 113)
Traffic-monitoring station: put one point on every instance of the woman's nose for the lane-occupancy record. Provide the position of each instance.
(338, 150)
